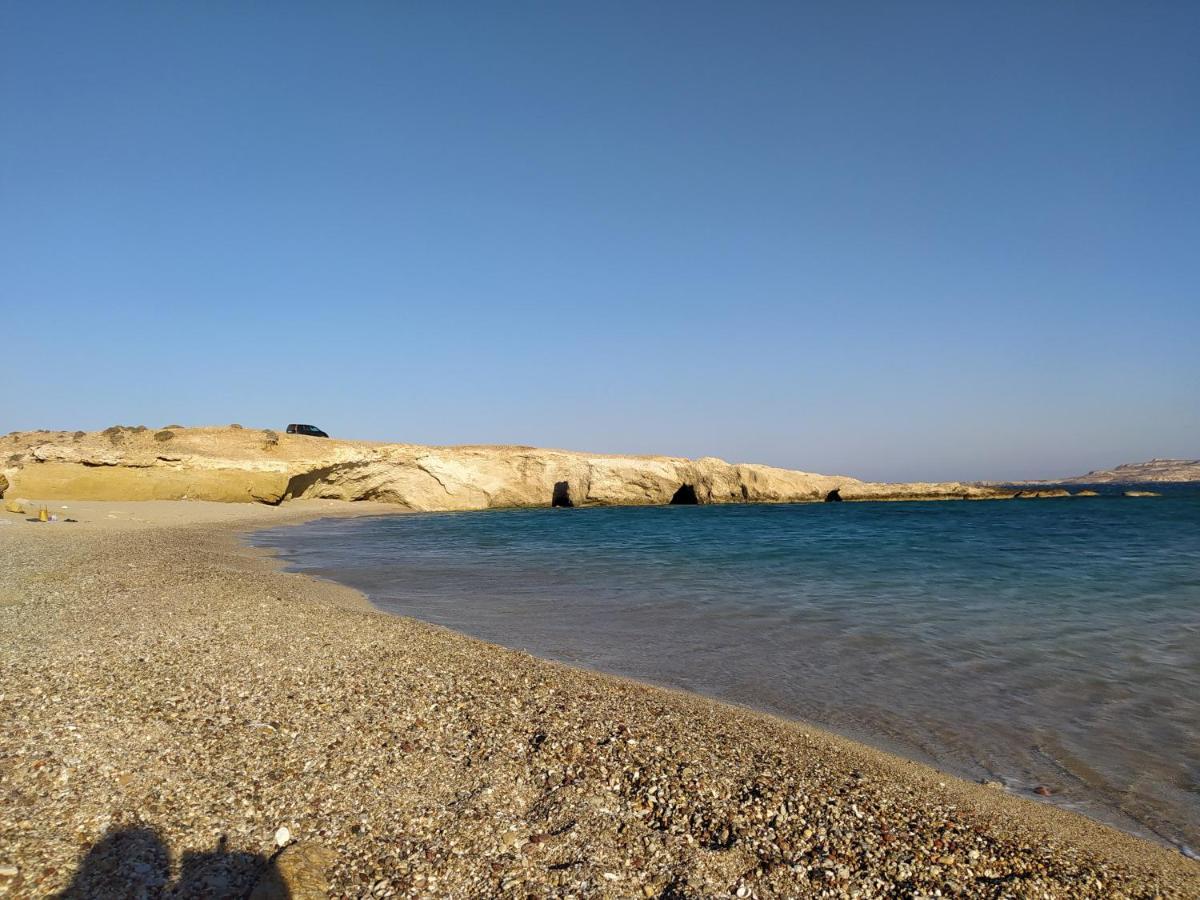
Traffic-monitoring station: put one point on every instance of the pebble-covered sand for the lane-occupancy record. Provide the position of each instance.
(175, 710)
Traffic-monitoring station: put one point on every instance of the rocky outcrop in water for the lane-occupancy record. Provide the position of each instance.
(244, 465)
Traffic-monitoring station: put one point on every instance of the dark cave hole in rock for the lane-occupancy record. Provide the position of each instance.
(833, 496)
(685, 496)
(562, 494)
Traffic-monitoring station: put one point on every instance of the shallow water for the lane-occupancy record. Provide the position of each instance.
(1034, 642)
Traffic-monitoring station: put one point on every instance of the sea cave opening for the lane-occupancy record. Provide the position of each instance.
(833, 496)
(685, 496)
(562, 495)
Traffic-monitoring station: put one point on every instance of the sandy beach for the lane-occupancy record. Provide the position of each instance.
(177, 709)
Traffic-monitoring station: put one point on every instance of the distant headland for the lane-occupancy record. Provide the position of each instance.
(1165, 470)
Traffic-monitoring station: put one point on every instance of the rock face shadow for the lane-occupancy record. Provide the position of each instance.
(135, 863)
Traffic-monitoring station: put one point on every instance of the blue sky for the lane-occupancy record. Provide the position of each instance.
(895, 240)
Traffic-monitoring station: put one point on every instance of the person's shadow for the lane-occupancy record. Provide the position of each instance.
(134, 863)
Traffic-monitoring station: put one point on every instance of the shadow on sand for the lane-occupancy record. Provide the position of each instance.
(134, 863)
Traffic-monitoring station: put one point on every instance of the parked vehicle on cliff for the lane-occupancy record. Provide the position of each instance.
(306, 430)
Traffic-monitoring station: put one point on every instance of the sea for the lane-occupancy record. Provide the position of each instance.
(1048, 644)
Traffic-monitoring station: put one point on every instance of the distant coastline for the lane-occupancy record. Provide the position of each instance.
(1152, 471)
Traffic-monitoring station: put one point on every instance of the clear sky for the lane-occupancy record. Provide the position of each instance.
(897, 240)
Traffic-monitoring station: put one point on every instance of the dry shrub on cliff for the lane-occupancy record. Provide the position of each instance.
(236, 427)
(163, 435)
(116, 433)
(270, 438)
(77, 435)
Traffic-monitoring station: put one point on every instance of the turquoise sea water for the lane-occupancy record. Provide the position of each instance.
(1033, 642)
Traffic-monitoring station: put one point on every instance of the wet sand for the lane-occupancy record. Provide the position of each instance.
(172, 701)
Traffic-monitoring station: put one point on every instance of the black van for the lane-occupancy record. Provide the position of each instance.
(308, 430)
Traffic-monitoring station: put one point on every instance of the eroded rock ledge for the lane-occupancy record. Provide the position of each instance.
(246, 465)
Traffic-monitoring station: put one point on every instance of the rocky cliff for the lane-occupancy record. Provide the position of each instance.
(1166, 470)
(246, 465)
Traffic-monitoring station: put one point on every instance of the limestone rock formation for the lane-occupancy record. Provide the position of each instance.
(237, 465)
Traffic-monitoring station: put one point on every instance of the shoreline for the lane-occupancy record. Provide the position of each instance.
(1104, 809)
(434, 762)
